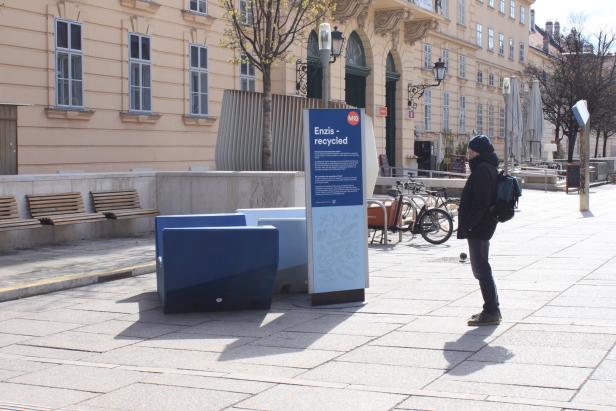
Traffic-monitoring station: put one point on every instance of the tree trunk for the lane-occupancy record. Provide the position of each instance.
(558, 140)
(597, 144)
(604, 143)
(266, 132)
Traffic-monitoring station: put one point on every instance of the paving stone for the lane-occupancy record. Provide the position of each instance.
(129, 329)
(126, 307)
(16, 364)
(7, 375)
(398, 306)
(159, 317)
(408, 357)
(150, 397)
(437, 341)
(452, 325)
(449, 404)
(598, 392)
(557, 339)
(535, 354)
(520, 374)
(586, 329)
(44, 352)
(68, 315)
(376, 375)
(71, 340)
(90, 379)
(197, 342)
(281, 397)
(514, 391)
(344, 324)
(277, 356)
(606, 371)
(465, 312)
(8, 339)
(33, 327)
(211, 383)
(41, 396)
(315, 341)
(578, 312)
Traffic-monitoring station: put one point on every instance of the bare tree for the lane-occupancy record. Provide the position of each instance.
(263, 31)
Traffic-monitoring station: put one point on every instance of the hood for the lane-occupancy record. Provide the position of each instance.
(490, 158)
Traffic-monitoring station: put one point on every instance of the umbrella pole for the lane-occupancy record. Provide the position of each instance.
(506, 138)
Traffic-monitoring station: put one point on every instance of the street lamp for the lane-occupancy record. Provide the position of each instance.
(330, 48)
(415, 92)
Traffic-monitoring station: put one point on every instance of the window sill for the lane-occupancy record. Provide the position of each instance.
(140, 118)
(196, 17)
(192, 120)
(67, 113)
(144, 5)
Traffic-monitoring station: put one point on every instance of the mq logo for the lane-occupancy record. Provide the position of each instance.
(353, 118)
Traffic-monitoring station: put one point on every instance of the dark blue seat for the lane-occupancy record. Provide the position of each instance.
(218, 268)
(190, 220)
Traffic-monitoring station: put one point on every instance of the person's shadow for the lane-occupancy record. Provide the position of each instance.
(481, 353)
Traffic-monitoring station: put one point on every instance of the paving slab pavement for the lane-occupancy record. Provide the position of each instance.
(108, 346)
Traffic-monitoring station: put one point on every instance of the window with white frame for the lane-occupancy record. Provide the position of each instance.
(491, 39)
(198, 80)
(522, 53)
(461, 11)
(199, 6)
(446, 59)
(462, 115)
(462, 66)
(479, 125)
(445, 111)
(140, 76)
(246, 12)
(511, 48)
(248, 76)
(501, 123)
(69, 64)
(491, 3)
(512, 9)
(501, 6)
(491, 120)
(445, 8)
(479, 76)
(479, 35)
(501, 44)
(491, 79)
(522, 15)
(427, 60)
(428, 110)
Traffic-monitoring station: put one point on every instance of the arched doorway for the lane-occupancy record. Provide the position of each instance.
(356, 72)
(391, 80)
(314, 69)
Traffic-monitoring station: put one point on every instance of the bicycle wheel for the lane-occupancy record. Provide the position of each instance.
(436, 226)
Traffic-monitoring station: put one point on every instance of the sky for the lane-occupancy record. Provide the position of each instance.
(600, 14)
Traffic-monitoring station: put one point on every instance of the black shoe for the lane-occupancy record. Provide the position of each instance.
(484, 318)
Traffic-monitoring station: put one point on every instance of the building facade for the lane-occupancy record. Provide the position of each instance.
(137, 84)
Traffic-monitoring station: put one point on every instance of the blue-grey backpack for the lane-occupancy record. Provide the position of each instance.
(508, 192)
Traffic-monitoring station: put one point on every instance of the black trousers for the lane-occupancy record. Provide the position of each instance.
(479, 251)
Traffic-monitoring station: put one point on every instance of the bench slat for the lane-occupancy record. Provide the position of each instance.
(120, 204)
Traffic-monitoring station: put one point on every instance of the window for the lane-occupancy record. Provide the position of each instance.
(427, 56)
(246, 12)
(479, 125)
(428, 110)
(501, 44)
(522, 15)
(501, 6)
(501, 81)
(445, 111)
(461, 11)
(69, 67)
(522, 54)
(511, 48)
(479, 35)
(512, 9)
(479, 76)
(248, 77)
(462, 118)
(140, 78)
(491, 79)
(445, 8)
(491, 3)
(462, 67)
(200, 6)
(491, 121)
(198, 80)
(446, 59)
(501, 123)
(491, 39)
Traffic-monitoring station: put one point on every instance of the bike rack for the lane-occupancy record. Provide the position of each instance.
(385, 225)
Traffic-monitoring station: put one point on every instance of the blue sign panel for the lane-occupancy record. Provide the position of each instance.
(336, 165)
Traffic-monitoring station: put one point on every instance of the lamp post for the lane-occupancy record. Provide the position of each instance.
(416, 91)
(330, 48)
(506, 94)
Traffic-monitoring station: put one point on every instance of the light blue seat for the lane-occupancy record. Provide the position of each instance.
(292, 274)
(254, 214)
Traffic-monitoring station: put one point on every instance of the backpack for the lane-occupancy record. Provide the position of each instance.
(508, 192)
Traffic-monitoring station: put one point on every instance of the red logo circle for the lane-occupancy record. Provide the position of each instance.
(353, 118)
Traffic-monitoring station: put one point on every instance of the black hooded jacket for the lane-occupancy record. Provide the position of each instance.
(474, 218)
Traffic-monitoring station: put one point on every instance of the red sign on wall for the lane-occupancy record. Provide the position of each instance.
(383, 112)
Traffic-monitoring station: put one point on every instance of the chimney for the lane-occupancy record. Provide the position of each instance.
(532, 20)
(556, 29)
(546, 43)
(549, 28)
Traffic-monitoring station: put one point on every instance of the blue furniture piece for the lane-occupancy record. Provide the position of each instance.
(218, 268)
(254, 214)
(184, 221)
(293, 251)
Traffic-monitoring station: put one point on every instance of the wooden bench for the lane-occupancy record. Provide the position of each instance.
(118, 205)
(60, 209)
(9, 216)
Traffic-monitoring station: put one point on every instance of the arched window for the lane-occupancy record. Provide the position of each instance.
(314, 72)
(355, 55)
(313, 45)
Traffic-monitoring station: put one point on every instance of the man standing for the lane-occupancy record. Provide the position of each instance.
(477, 225)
